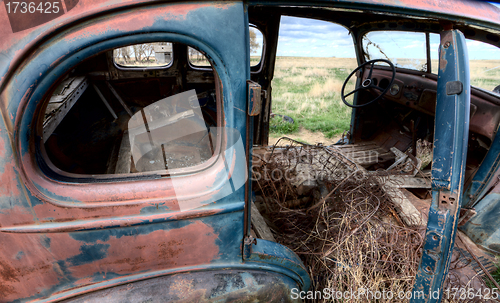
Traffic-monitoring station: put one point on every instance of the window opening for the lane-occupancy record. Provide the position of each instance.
(141, 123)
(144, 55)
(313, 60)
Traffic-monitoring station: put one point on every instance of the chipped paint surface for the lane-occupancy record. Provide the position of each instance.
(131, 21)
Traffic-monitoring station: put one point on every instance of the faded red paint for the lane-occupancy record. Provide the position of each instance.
(190, 245)
(48, 212)
(2, 145)
(27, 266)
(8, 180)
(134, 20)
(16, 215)
(475, 9)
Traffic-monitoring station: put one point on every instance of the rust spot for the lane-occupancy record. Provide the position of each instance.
(167, 250)
(442, 61)
(447, 26)
(446, 37)
(25, 276)
(7, 272)
(6, 290)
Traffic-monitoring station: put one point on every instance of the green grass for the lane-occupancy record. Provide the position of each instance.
(326, 123)
(279, 127)
(308, 90)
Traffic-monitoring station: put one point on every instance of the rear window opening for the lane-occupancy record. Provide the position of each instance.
(103, 120)
(144, 55)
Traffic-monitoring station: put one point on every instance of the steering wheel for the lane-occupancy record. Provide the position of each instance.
(367, 83)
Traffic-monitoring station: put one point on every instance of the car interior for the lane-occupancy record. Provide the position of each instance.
(115, 113)
(395, 110)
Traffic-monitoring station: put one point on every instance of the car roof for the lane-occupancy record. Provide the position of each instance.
(16, 46)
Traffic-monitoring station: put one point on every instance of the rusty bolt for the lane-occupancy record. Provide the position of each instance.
(447, 44)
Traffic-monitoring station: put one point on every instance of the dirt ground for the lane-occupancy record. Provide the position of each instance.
(309, 137)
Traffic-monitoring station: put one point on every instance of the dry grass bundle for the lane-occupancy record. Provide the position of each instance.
(345, 227)
(343, 224)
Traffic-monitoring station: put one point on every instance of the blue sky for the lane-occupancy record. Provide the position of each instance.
(314, 38)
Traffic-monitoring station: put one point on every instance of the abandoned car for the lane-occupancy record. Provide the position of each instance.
(129, 181)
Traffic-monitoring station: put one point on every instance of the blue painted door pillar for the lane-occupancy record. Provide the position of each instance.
(448, 167)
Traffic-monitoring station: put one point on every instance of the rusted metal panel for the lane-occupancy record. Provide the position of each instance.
(201, 286)
(38, 265)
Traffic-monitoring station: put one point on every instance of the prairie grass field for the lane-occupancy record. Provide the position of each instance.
(308, 90)
(485, 73)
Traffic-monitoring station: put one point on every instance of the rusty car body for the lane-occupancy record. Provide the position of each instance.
(88, 214)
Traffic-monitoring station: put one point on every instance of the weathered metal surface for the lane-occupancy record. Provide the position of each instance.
(449, 155)
(462, 11)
